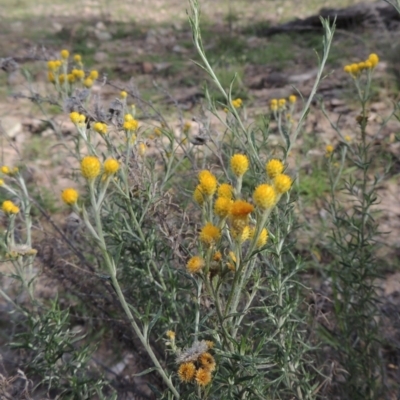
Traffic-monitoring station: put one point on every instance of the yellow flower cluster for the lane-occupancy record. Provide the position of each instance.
(9, 208)
(100, 127)
(76, 118)
(237, 103)
(199, 370)
(280, 104)
(355, 69)
(8, 171)
(130, 124)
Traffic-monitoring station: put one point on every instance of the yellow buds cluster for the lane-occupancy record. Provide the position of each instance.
(208, 183)
(292, 99)
(77, 118)
(53, 65)
(130, 124)
(9, 208)
(262, 239)
(123, 94)
(273, 104)
(69, 196)
(90, 167)
(239, 164)
(356, 68)
(111, 166)
(100, 127)
(237, 103)
(8, 171)
(281, 103)
(195, 264)
(78, 73)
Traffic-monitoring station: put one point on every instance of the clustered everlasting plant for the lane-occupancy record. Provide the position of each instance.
(221, 289)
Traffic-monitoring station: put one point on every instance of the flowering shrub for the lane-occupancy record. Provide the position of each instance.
(218, 282)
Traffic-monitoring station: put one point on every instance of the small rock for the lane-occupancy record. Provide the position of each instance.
(17, 26)
(100, 56)
(103, 36)
(100, 26)
(179, 49)
(57, 27)
(11, 126)
(147, 67)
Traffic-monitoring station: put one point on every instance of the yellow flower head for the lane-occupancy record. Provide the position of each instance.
(130, 124)
(203, 377)
(100, 127)
(195, 264)
(123, 94)
(111, 166)
(208, 182)
(210, 234)
(262, 239)
(77, 58)
(347, 69)
(93, 75)
(186, 127)
(69, 196)
(88, 83)
(282, 183)
(292, 99)
(217, 256)
(373, 59)
(265, 196)
(225, 190)
(222, 206)
(171, 335)
(354, 69)
(329, 149)
(1, 182)
(281, 103)
(186, 371)
(51, 78)
(198, 195)
(207, 361)
(241, 209)
(90, 167)
(157, 131)
(9, 208)
(71, 78)
(5, 170)
(64, 54)
(274, 167)
(62, 78)
(239, 164)
(142, 148)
